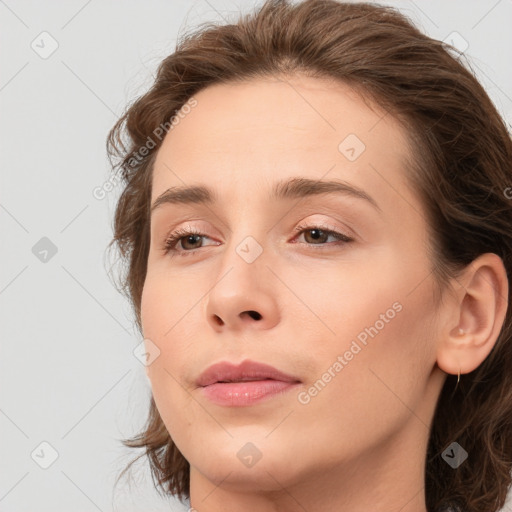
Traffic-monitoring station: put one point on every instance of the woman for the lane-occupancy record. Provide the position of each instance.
(316, 226)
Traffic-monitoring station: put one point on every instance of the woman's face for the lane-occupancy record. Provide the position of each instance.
(352, 321)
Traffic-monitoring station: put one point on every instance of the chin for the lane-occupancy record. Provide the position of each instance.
(231, 474)
(245, 458)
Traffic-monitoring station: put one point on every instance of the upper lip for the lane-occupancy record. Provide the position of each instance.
(245, 371)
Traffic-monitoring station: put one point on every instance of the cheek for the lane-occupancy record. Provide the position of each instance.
(386, 344)
(168, 321)
(337, 301)
(170, 305)
(377, 318)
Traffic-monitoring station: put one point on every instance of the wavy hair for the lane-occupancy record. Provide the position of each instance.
(461, 166)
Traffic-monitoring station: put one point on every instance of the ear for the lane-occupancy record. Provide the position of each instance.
(475, 317)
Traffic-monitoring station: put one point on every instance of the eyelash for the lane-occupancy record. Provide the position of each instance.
(174, 238)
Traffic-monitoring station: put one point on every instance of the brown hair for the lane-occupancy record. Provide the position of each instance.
(461, 166)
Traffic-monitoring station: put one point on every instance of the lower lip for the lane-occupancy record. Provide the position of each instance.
(239, 394)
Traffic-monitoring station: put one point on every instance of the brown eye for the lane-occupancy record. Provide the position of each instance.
(316, 235)
(189, 239)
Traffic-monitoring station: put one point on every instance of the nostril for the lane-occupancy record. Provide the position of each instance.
(255, 315)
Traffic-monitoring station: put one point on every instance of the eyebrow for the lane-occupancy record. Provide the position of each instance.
(285, 189)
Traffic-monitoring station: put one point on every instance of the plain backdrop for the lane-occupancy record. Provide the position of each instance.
(71, 386)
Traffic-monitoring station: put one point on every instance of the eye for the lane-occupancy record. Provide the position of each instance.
(185, 236)
(321, 233)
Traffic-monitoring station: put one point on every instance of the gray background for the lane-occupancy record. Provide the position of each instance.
(68, 373)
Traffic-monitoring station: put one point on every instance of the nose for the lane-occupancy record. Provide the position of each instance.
(243, 294)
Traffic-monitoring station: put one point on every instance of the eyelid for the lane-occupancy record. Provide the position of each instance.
(302, 225)
(339, 234)
(325, 222)
(188, 226)
(175, 235)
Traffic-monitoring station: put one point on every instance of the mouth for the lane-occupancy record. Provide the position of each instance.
(245, 384)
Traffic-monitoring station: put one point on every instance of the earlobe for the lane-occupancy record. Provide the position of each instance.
(476, 319)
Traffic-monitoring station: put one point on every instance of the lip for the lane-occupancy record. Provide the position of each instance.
(249, 382)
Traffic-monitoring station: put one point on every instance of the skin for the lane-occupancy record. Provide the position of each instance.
(360, 443)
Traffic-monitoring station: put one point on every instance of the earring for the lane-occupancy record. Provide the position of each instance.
(456, 385)
(461, 332)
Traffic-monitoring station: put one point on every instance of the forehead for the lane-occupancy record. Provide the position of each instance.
(242, 137)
